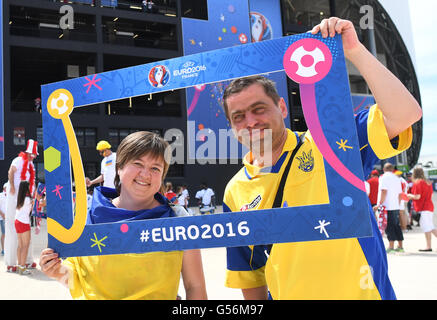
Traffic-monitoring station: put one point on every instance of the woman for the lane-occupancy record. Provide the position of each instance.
(141, 167)
(421, 194)
(169, 194)
(22, 225)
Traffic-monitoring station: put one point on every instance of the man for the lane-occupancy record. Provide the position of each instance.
(107, 167)
(205, 199)
(389, 195)
(22, 168)
(373, 184)
(149, 6)
(331, 269)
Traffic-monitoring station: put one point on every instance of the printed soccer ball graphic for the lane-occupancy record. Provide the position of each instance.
(243, 38)
(307, 61)
(60, 103)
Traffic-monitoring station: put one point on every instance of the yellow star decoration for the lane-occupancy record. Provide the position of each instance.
(98, 242)
(342, 145)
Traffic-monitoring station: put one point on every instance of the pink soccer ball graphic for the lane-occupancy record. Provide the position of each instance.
(307, 61)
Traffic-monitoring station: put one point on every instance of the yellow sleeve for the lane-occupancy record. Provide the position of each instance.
(378, 137)
(74, 283)
(245, 279)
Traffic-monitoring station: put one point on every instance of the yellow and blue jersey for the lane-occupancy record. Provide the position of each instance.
(146, 276)
(331, 269)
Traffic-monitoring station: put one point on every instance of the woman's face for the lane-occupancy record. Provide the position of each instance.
(141, 178)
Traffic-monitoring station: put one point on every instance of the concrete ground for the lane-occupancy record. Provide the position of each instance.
(412, 273)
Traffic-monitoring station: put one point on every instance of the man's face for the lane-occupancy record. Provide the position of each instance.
(32, 156)
(103, 152)
(251, 112)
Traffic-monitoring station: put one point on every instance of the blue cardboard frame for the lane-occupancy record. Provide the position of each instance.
(330, 120)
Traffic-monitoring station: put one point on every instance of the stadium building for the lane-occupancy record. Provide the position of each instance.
(45, 41)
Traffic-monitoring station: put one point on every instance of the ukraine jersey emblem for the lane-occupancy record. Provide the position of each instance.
(306, 161)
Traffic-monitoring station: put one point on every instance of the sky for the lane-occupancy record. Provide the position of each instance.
(423, 15)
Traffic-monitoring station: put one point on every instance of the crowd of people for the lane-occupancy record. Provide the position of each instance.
(205, 197)
(17, 202)
(297, 270)
(400, 199)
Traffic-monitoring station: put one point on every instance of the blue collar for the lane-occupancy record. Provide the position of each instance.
(103, 211)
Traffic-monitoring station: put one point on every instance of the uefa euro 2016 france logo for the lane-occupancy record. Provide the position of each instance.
(159, 76)
(260, 27)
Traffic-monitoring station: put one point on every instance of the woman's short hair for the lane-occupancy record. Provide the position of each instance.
(238, 85)
(137, 145)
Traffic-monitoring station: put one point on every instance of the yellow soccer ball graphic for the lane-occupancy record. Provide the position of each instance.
(60, 103)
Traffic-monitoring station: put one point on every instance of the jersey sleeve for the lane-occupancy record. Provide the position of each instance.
(245, 265)
(74, 283)
(374, 141)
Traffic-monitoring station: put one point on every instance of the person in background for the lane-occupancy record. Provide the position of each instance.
(22, 225)
(421, 194)
(2, 216)
(107, 166)
(186, 194)
(403, 218)
(89, 197)
(169, 193)
(21, 168)
(389, 195)
(367, 186)
(181, 198)
(205, 199)
(141, 167)
(409, 202)
(39, 206)
(373, 184)
(149, 6)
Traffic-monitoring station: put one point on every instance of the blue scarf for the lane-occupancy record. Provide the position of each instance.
(103, 211)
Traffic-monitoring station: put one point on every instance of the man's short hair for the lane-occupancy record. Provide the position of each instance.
(238, 85)
(389, 167)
